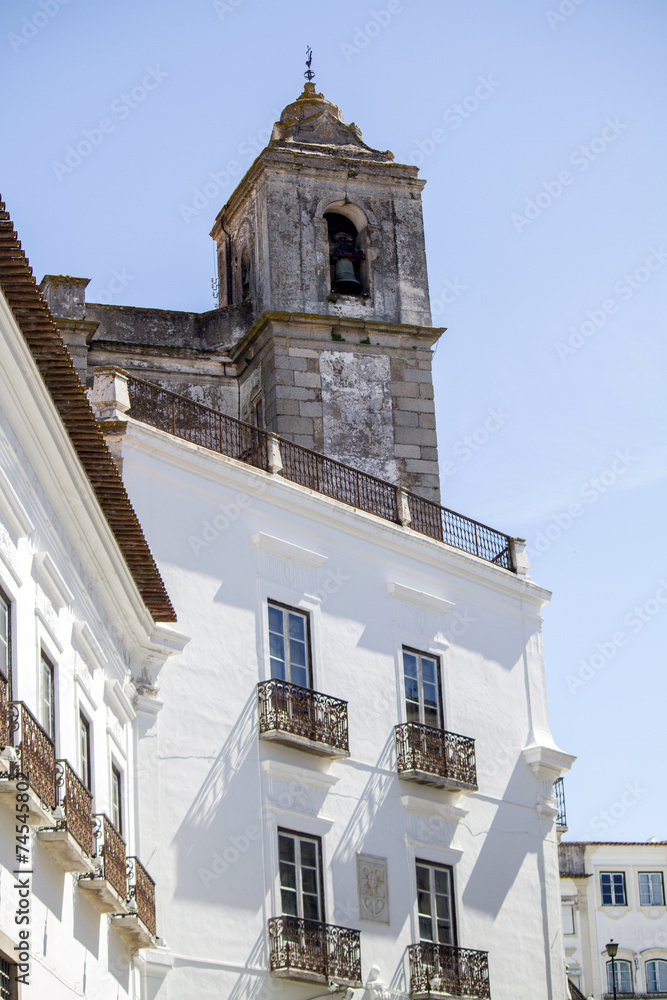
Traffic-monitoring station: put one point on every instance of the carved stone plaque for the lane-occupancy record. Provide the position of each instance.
(373, 889)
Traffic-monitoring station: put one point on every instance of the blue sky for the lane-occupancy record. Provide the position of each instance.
(539, 127)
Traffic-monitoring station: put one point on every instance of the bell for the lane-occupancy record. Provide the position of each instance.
(345, 281)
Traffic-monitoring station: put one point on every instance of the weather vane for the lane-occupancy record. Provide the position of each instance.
(309, 74)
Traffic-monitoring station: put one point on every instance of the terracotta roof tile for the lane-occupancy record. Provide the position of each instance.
(41, 334)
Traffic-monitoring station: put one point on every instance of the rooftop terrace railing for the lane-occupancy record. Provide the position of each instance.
(209, 428)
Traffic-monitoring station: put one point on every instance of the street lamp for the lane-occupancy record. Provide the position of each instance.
(612, 948)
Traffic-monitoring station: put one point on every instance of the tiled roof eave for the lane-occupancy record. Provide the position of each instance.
(55, 366)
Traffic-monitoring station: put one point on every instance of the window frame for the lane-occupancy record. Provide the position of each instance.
(661, 988)
(419, 653)
(299, 835)
(85, 763)
(432, 865)
(650, 884)
(116, 802)
(289, 609)
(617, 963)
(6, 642)
(47, 678)
(12, 970)
(613, 901)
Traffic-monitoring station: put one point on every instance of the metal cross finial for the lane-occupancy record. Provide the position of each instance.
(309, 74)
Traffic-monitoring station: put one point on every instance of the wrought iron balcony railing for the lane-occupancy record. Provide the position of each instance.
(308, 949)
(77, 804)
(142, 891)
(559, 794)
(433, 755)
(444, 970)
(111, 854)
(289, 710)
(209, 428)
(4, 712)
(36, 753)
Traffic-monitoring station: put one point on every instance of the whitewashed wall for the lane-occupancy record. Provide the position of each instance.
(72, 598)
(226, 538)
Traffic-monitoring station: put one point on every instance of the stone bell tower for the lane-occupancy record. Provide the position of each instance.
(323, 240)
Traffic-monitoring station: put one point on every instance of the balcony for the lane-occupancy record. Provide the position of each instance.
(106, 885)
(439, 970)
(137, 928)
(315, 952)
(301, 718)
(72, 840)
(34, 764)
(435, 757)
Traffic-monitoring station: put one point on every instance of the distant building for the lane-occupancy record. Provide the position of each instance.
(615, 892)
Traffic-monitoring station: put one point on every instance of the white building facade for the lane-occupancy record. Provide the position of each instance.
(615, 892)
(313, 813)
(78, 591)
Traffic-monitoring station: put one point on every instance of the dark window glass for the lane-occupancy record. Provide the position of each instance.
(422, 701)
(84, 750)
(434, 903)
(288, 645)
(612, 885)
(300, 883)
(117, 799)
(48, 698)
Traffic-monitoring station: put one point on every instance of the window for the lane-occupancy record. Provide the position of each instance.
(345, 255)
(623, 972)
(612, 885)
(300, 876)
(434, 903)
(5, 637)
(651, 889)
(84, 750)
(245, 276)
(117, 799)
(568, 918)
(422, 698)
(8, 987)
(656, 976)
(48, 698)
(289, 645)
(258, 411)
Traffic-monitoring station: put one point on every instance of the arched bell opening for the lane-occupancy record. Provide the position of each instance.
(245, 275)
(346, 256)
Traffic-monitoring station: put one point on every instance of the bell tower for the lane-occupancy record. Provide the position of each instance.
(324, 240)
